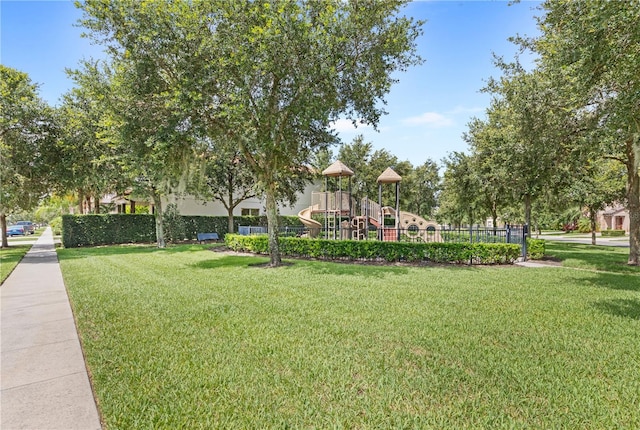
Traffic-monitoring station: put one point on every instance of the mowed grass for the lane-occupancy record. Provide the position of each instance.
(590, 257)
(9, 259)
(189, 338)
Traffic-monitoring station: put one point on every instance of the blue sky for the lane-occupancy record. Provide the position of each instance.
(428, 109)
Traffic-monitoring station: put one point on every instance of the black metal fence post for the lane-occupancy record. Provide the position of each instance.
(471, 241)
(525, 234)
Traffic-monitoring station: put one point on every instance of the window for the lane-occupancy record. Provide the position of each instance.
(250, 212)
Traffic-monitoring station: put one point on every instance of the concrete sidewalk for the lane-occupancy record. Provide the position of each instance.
(44, 381)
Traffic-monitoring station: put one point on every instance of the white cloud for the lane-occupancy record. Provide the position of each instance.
(465, 110)
(432, 119)
(346, 126)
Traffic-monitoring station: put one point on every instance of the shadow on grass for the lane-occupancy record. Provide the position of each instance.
(309, 267)
(349, 269)
(230, 261)
(126, 249)
(628, 308)
(616, 281)
(594, 257)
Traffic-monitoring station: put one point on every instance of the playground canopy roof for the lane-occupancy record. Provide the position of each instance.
(337, 169)
(389, 177)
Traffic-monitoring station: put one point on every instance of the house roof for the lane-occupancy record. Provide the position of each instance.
(613, 211)
(389, 177)
(337, 169)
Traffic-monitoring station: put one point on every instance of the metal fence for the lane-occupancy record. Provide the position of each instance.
(445, 234)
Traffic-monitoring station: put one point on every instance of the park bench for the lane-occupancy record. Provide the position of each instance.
(203, 237)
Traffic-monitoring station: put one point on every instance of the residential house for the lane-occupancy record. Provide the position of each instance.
(614, 217)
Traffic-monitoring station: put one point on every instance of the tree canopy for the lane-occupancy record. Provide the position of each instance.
(591, 49)
(268, 78)
(28, 132)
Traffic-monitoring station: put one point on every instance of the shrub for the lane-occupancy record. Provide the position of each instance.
(584, 225)
(476, 253)
(613, 233)
(56, 225)
(535, 248)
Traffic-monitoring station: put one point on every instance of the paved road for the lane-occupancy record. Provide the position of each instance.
(586, 239)
(44, 383)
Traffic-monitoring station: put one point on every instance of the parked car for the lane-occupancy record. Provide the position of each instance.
(28, 225)
(16, 230)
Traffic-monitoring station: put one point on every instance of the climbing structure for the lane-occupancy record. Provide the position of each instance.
(335, 208)
(340, 204)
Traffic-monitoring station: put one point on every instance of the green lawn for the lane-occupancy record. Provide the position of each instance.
(189, 338)
(9, 259)
(589, 257)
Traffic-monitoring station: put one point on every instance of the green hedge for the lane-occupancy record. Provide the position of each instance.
(613, 233)
(476, 253)
(108, 229)
(535, 248)
(92, 230)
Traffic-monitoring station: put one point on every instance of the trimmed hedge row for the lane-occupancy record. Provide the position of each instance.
(93, 230)
(109, 229)
(476, 253)
(612, 233)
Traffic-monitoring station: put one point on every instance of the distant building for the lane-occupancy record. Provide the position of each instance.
(190, 205)
(614, 218)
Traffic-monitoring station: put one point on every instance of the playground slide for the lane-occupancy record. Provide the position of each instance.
(374, 221)
(305, 218)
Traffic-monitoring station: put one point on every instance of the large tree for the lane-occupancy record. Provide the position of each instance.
(87, 167)
(28, 132)
(533, 143)
(591, 48)
(487, 141)
(599, 183)
(292, 68)
(459, 199)
(151, 140)
(227, 179)
(155, 51)
(423, 185)
(271, 76)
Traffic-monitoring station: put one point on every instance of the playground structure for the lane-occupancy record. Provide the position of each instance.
(340, 221)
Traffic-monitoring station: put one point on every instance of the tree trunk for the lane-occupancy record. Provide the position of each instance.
(230, 205)
(3, 227)
(230, 220)
(633, 196)
(494, 217)
(96, 205)
(593, 213)
(157, 203)
(80, 202)
(272, 226)
(527, 212)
